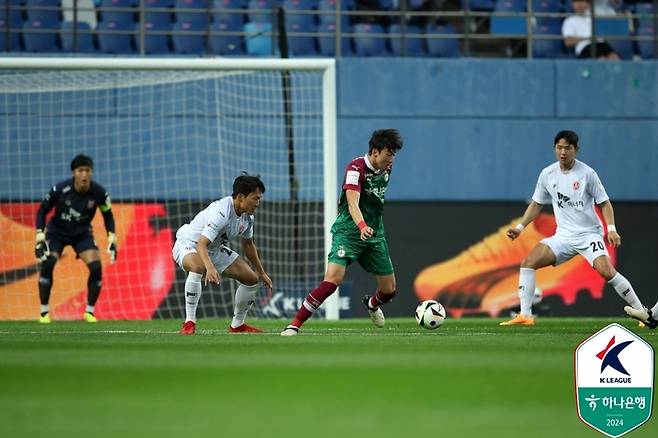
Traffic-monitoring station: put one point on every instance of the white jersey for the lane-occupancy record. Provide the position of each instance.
(573, 194)
(218, 223)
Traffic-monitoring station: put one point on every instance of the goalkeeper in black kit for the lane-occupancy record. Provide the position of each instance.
(75, 201)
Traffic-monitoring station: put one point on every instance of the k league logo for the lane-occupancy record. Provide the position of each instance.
(614, 380)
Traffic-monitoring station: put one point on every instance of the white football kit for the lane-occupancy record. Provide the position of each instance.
(218, 223)
(573, 195)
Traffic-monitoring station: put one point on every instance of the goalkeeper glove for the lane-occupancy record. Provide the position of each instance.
(112, 246)
(41, 249)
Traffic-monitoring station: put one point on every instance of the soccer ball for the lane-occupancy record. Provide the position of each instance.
(430, 314)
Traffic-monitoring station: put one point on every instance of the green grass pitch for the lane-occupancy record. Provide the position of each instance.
(470, 378)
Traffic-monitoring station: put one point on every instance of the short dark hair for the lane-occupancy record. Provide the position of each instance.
(568, 136)
(385, 139)
(81, 160)
(245, 184)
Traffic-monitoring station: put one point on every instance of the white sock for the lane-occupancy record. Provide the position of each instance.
(89, 309)
(625, 291)
(244, 298)
(654, 311)
(43, 308)
(526, 290)
(192, 295)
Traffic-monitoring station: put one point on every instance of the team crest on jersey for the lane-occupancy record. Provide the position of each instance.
(90, 204)
(241, 228)
(576, 185)
(341, 252)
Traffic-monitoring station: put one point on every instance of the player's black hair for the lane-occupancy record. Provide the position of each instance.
(385, 139)
(568, 136)
(245, 184)
(81, 160)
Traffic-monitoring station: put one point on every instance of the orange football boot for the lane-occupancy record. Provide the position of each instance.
(519, 320)
(484, 277)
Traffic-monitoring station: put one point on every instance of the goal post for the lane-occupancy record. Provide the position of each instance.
(167, 137)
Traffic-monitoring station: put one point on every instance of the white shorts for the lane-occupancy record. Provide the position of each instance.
(222, 258)
(591, 246)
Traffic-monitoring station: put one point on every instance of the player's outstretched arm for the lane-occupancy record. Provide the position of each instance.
(530, 215)
(353, 198)
(609, 215)
(251, 252)
(212, 275)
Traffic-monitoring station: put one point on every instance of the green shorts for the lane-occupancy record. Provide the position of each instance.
(371, 254)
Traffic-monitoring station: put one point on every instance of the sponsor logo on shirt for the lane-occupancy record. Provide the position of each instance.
(576, 185)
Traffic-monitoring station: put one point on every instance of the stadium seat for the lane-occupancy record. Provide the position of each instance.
(15, 25)
(39, 37)
(298, 12)
(410, 44)
(478, 5)
(230, 18)
(158, 12)
(155, 43)
(225, 44)
(442, 47)
(327, 11)
(191, 44)
(260, 11)
(509, 25)
(645, 11)
(193, 12)
(301, 45)
(86, 12)
(117, 11)
(258, 39)
(616, 27)
(327, 43)
(115, 42)
(547, 48)
(646, 48)
(46, 12)
(85, 40)
(547, 6)
(368, 40)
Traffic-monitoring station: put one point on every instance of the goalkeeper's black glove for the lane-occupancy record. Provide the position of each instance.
(41, 249)
(112, 246)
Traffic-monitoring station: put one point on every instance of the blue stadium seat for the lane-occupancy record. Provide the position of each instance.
(327, 44)
(297, 12)
(545, 48)
(301, 45)
(509, 25)
(646, 48)
(257, 39)
(47, 12)
(84, 37)
(328, 11)
(478, 5)
(547, 6)
(193, 12)
(155, 13)
(409, 45)
(39, 37)
(110, 12)
(645, 10)
(155, 43)
(232, 18)
(616, 27)
(260, 11)
(369, 41)
(442, 47)
(226, 44)
(192, 44)
(119, 43)
(15, 24)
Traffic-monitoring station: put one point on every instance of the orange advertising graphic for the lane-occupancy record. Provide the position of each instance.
(483, 279)
(133, 287)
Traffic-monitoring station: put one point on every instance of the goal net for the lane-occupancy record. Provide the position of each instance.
(167, 138)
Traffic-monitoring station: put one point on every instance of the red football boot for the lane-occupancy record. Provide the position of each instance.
(189, 327)
(244, 328)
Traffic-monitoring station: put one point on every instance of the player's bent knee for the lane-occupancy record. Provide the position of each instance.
(48, 265)
(95, 269)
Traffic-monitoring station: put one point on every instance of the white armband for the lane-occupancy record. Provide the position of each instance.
(519, 227)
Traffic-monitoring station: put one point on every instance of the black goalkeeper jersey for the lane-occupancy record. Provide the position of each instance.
(74, 211)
